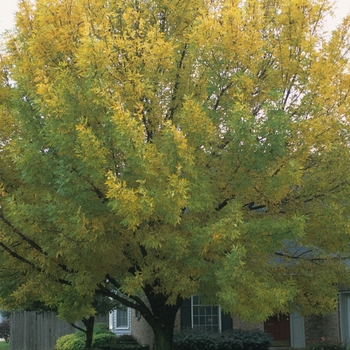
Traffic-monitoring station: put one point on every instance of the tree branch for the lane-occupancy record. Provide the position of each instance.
(77, 327)
(118, 286)
(20, 234)
(177, 83)
(140, 305)
(31, 264)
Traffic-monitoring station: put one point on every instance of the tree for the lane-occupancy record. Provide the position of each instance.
(5, 330)
(100, 305)
(155, 149)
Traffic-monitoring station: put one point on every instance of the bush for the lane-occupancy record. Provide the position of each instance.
(128, 346)
(76, 341)
(103, 339)
(325, 345)
(102, 326)
(127, 338)
(5, 330)
(98, 329)
(70, 342)
(232, 340)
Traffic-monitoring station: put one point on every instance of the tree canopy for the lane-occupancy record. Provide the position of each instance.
(166, 148)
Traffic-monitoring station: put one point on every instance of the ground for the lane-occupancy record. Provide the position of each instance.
(4, 345)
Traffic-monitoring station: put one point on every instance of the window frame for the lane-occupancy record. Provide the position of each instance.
(127, 318)
(219, 325)
(114, 320)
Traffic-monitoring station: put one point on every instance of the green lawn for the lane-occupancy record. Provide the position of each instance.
(4, 345)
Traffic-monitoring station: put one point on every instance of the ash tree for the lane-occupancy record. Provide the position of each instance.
(154, 149)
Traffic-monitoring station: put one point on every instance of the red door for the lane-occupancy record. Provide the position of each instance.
(278, 327)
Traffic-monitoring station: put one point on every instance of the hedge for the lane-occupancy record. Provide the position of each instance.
(325, 345)
(231, 340)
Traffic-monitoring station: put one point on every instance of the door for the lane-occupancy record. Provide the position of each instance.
(278, 326)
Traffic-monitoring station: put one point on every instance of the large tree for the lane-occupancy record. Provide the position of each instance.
(156, 149)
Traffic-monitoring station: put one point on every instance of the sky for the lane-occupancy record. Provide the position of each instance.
(8, 8)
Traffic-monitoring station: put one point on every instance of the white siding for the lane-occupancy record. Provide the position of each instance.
(297, 330)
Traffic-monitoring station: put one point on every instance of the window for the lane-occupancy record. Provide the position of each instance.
(120, 321)
(122, 318)
(205, 317)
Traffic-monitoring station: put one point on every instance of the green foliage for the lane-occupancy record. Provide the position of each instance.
(325, 345)
(171, 148)
(232, 340)
(126, 338)
(111, 342)
(126, 346)
(76, 340)
(80, 334)
(102, 339)
(70, 342)
(102, 329)
(5, 330)
(6, 314)
(99, 328)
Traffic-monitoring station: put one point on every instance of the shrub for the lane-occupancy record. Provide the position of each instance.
(232, 340)
(76, 341)
(102, 328)
(103, 339)
(126, 338)
(70, 342)
(80, 334)
(128, 346)
(325, 345)
(98, 329)
(5, 330)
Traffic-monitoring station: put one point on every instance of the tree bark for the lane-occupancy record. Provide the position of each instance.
(162, 319)
(89, 326)
(163, 338)
(158, 313)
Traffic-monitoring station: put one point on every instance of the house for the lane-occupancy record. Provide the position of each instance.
(289, 331)
(292, 330)
(135, 325)
(31, 329)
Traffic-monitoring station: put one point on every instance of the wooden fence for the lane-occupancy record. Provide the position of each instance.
(38, 331)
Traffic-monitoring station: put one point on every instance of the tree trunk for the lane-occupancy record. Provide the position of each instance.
(162, 319)
(89, 325)
(163, 339)
(156, 310)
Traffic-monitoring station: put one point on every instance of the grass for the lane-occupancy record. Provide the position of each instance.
(4, 345)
